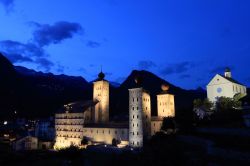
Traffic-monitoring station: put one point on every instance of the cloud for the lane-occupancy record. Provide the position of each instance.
(44, 63)
(8, 4)
(93, 44)
(14, 58)
(146, 64)
(20, 52)
(14, 47)
(46, 34)
(177, 68)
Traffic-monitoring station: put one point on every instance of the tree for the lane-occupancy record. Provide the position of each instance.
(226, 104)
(84, 141)
(168, 125)
(201, 108)
(114, 142)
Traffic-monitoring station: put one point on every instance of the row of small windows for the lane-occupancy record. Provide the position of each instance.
(136, 116)
(68, 136)
(144, 99)
(137, 108)
(100, 88)
(238, 89)
(59, 129)
(136, 133)
(103, 132)
(137, 143)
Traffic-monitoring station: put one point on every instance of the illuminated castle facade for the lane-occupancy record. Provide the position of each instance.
(90, 119)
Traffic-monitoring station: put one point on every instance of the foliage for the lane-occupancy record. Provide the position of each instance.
(84, 141)
(168, 124)
(114, 142)
(225, 103)
(201, 108)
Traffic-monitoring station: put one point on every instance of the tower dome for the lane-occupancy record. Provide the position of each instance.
(101, 75)
(165, 87)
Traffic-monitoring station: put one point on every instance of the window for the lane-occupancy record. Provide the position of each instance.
(133, 99)
(133, 125)
(138, 143)
(137, 108)
(133, 108)
(137, 99)
(137, 133)
(137, 116)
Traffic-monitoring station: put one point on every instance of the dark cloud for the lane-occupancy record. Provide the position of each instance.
(14, 58)
(20, 52)
(14, 47)
(183, 76)
(44, 63)
(146, 64)
(60, 68)
(178, 68)
(46, 34)
(8, 4)
(93, 44)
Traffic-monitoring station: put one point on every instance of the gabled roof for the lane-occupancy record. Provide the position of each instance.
(231, 80)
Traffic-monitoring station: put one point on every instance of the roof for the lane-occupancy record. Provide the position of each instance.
(156, 118)
(78, 106)
(231, 80)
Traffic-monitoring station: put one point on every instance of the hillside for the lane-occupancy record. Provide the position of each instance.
(36, 94)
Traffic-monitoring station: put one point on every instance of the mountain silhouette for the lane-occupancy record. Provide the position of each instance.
(36, 94)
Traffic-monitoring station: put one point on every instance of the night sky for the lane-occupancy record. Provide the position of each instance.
(185, 42)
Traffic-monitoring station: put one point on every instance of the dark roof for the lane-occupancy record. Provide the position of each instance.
(231, 80)
(156, 118)
(78, 106)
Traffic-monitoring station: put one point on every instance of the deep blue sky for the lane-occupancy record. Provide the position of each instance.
(185, 42)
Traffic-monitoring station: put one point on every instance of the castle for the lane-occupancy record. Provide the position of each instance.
(90, 119)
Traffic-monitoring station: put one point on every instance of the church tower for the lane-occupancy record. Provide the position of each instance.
(165, 103)
(101, 94)
(139, 115)
(228, 73)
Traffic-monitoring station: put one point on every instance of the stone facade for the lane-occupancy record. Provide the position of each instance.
(101, 94)
(90, 119)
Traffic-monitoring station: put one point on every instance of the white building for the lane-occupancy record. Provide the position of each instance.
(224, 86)
(90, 119)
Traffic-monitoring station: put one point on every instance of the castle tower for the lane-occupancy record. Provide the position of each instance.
(228, 73)
(165, 103)
(101, 94)
(139, 116)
